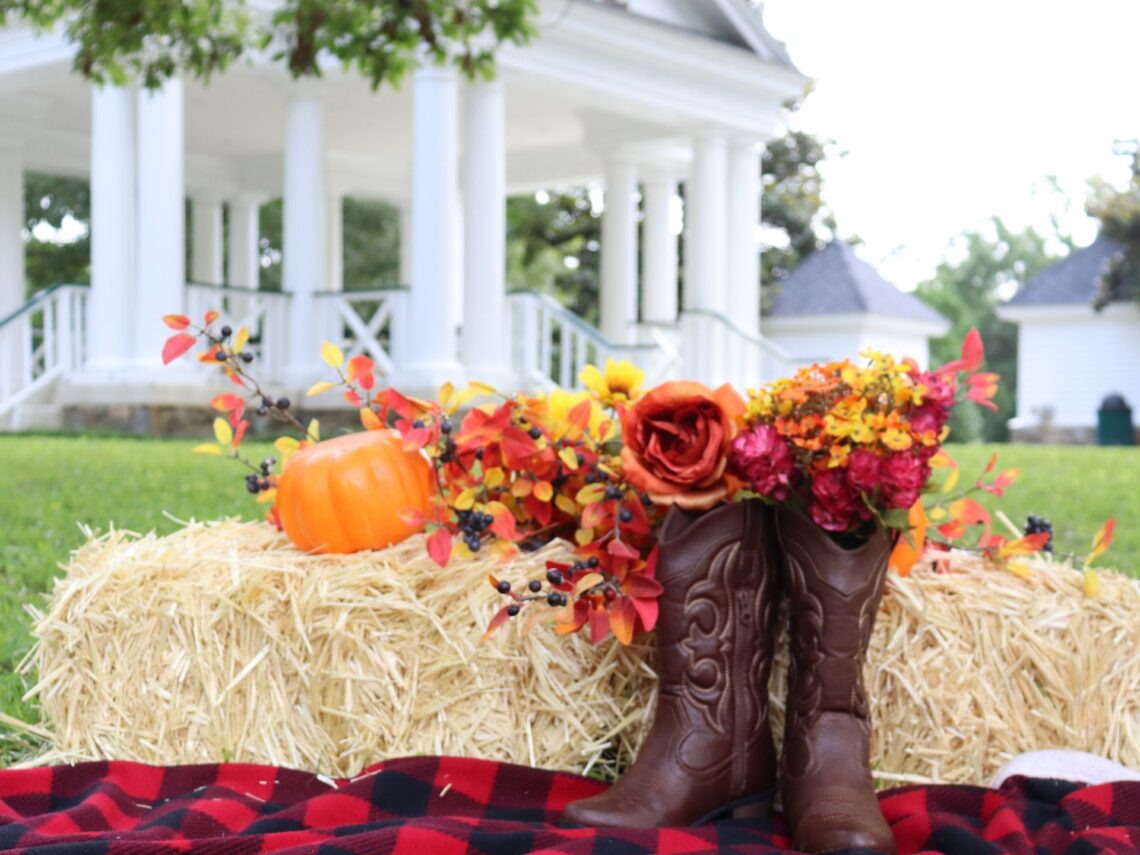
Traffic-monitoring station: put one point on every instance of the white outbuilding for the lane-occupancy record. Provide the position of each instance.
(1070, 357)
(834, 305)
(640, 97)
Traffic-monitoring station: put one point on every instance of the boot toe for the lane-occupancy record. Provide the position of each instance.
(603, 811)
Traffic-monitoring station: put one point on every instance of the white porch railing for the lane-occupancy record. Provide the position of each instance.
(264, 313)
(40, 341)
(550, 345)
(368, 322)
(716, 350)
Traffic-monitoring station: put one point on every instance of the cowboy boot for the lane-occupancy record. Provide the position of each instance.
(828, 798)
(709, 752)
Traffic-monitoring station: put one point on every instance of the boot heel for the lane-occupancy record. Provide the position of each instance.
(753, 806)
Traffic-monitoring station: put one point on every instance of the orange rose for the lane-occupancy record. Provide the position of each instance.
(676, 443)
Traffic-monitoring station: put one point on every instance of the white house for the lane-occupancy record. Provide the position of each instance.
(1069, 356)
(642, 96)
(834, 305)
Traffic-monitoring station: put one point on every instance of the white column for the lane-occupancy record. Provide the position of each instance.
(244, 267)
(405, 242)
(434, 314)
(619, 251)
(206, 256)
(334, 247)
(12, 291)
(111, 306)
(161, 247)
(11, 228)
(659, 276)
(742, 251)
(704, 226)
(484, 348)
(303, 249)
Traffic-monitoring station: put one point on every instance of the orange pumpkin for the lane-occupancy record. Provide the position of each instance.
(346, 494)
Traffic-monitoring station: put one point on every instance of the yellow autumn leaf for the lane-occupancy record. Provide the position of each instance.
(286, 445)
(223, 433)
(332, 355)
(494, 476)
(587, 582)
(951, 480)
(566, 504)
(241, 339)
(583, 536)
(319, 388)
(569, 457)
(445, 393)
(370, 420)
(1019, 569)
(937, 514)
(466, 500)
(1092, 583)
(266, 497)
(314, 430)
(206, 448)
(457, 400)
(481, 388)
(543, 491)
(590, 493)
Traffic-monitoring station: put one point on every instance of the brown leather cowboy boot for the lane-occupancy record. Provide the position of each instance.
(828, 797)
(709, 752)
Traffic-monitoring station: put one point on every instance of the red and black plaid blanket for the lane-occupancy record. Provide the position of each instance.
(445, 805)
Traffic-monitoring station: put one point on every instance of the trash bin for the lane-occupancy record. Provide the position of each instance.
(1114, 422)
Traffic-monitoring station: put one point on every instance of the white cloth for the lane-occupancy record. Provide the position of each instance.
(1066, 765)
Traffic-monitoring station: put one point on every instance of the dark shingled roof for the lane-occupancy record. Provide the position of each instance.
(834, 281)
(1071, 280)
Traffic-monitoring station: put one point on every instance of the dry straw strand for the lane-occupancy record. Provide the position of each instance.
(222, 641)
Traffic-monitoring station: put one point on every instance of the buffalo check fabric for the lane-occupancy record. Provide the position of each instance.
(451, 805)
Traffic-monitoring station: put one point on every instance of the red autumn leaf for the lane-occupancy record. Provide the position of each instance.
(498, 620)
(439, 546)
(594, 516)
(577, 618)
(952, 530)
(973, 353)
(360, 370)
(227, 402)
(1003, 480)
(175, 346)
(352, 397)
(239, 433)
(416, 438)
(642, 587)
(599, 625)
(990, 466)
(274, 518)
(543, 512)
(647, 611)
(619, 549)
(623, 619)
(504, 524)
(639, 521)
(211, 316)
(1102, 540)
(982, 388)
(176, 322)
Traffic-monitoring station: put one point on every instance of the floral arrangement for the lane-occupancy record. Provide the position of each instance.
(855, 447)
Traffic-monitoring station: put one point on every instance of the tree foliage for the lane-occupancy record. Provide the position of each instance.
(1119, 213)
(153, 40)
(55, 202)
(982, 270)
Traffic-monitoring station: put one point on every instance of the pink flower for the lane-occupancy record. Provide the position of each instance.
(763, 459)
(928, 419)
(863, 468)
(904, 476)
(939, 393)
(837, 504)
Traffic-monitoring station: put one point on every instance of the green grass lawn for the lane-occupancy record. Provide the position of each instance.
(50, 484)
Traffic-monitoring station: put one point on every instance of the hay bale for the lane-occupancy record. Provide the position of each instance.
(221, 641)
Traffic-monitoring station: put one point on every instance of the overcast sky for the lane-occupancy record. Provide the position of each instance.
(951, 112)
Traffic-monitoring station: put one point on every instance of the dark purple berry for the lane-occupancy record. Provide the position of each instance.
(534, 433)
(512, 611)
(220, 355)
(625, 515)
(554, 599)
(554, 576)
(283, 403)
(535, 586)
(478, 454)
(226, 332)
(247, 357)
(593, 562)
(504, 587)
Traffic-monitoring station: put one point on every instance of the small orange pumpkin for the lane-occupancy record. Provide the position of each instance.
(346, 494)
